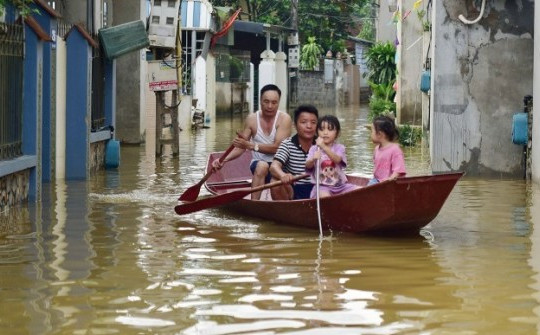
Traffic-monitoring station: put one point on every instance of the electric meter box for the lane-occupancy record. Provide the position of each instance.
(162, 75)
(294, 57)
(163, 23)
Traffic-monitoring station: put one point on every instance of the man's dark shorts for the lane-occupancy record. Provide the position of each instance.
(302, 191)
(254, 165)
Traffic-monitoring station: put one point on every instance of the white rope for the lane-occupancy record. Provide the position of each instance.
(317, 171)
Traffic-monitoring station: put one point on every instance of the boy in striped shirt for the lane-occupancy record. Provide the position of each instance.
(290, 158)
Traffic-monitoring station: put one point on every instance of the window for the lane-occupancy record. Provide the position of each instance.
(157, 2)
(172, 3)
(170, 20)
(155, 19)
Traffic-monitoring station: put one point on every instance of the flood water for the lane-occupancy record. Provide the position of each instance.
(110, 256)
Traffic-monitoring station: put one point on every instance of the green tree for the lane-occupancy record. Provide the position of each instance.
(23, 6)
(329, 21)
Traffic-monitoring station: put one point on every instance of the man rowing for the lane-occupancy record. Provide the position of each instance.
(263, 132)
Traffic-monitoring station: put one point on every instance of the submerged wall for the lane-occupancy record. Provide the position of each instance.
(480, 74)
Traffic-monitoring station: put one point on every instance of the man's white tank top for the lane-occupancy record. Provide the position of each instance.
(261, 138)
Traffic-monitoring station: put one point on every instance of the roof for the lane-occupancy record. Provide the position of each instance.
(360, 40)
(260, 28)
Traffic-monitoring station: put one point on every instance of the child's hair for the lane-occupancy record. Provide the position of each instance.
(331, 121)
(386, 125)
(305, 109)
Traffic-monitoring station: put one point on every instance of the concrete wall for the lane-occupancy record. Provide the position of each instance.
(409, 67)
(130, 78)
(14, 188)
(352, 84)
(385, 31)
(231, 97)
(97, 156)
(480, 74)
(313, 90)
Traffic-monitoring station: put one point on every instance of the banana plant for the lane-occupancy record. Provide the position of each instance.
(310, 54)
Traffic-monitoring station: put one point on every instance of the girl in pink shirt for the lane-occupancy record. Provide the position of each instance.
(331, 157)
(387, 156)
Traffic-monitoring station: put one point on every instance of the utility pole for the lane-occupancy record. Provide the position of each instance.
(294, 55)
(294, 14)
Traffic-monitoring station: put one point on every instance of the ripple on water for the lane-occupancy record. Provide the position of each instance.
(353, 317)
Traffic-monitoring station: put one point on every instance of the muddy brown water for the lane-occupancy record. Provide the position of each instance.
(109, 256)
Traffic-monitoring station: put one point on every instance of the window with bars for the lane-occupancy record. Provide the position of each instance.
(232, 66)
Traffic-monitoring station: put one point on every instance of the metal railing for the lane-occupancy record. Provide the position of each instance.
(11, 90)
(98, 82)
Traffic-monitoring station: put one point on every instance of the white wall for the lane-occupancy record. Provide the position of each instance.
(60, 152)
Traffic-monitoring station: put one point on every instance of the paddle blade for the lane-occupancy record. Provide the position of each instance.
(215, 201)
(191, 193)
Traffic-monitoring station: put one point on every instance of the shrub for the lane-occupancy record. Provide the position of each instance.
(381, 100)
(409, 136)
(380, 61)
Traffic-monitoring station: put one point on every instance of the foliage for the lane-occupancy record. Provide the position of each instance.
(384, 91)
(329, 21)
(381, 100)
(409, 136)
(426, 25)
(310, 55)
(380, 61)
(367, 32)
(237, 68)
(380, 106)
(23, 6)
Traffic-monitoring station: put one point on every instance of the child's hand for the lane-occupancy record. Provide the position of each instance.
(317, 154)
(320, 142)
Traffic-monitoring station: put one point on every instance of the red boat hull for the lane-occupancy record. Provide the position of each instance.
(403, 205)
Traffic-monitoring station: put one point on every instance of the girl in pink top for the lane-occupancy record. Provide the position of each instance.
(387, 156)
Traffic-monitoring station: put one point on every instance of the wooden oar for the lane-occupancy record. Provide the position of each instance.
(193, 192)
(225, 198)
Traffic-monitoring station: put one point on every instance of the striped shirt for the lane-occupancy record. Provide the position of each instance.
(293, 158)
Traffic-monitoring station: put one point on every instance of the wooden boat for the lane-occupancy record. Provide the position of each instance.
(404, 205)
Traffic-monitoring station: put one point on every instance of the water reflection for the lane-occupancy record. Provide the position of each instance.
(109, 256)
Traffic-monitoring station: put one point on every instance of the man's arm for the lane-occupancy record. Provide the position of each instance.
(242, 142)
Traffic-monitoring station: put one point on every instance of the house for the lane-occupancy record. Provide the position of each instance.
(480, 57)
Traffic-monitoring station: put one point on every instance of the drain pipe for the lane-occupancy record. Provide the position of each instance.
(466, 21)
